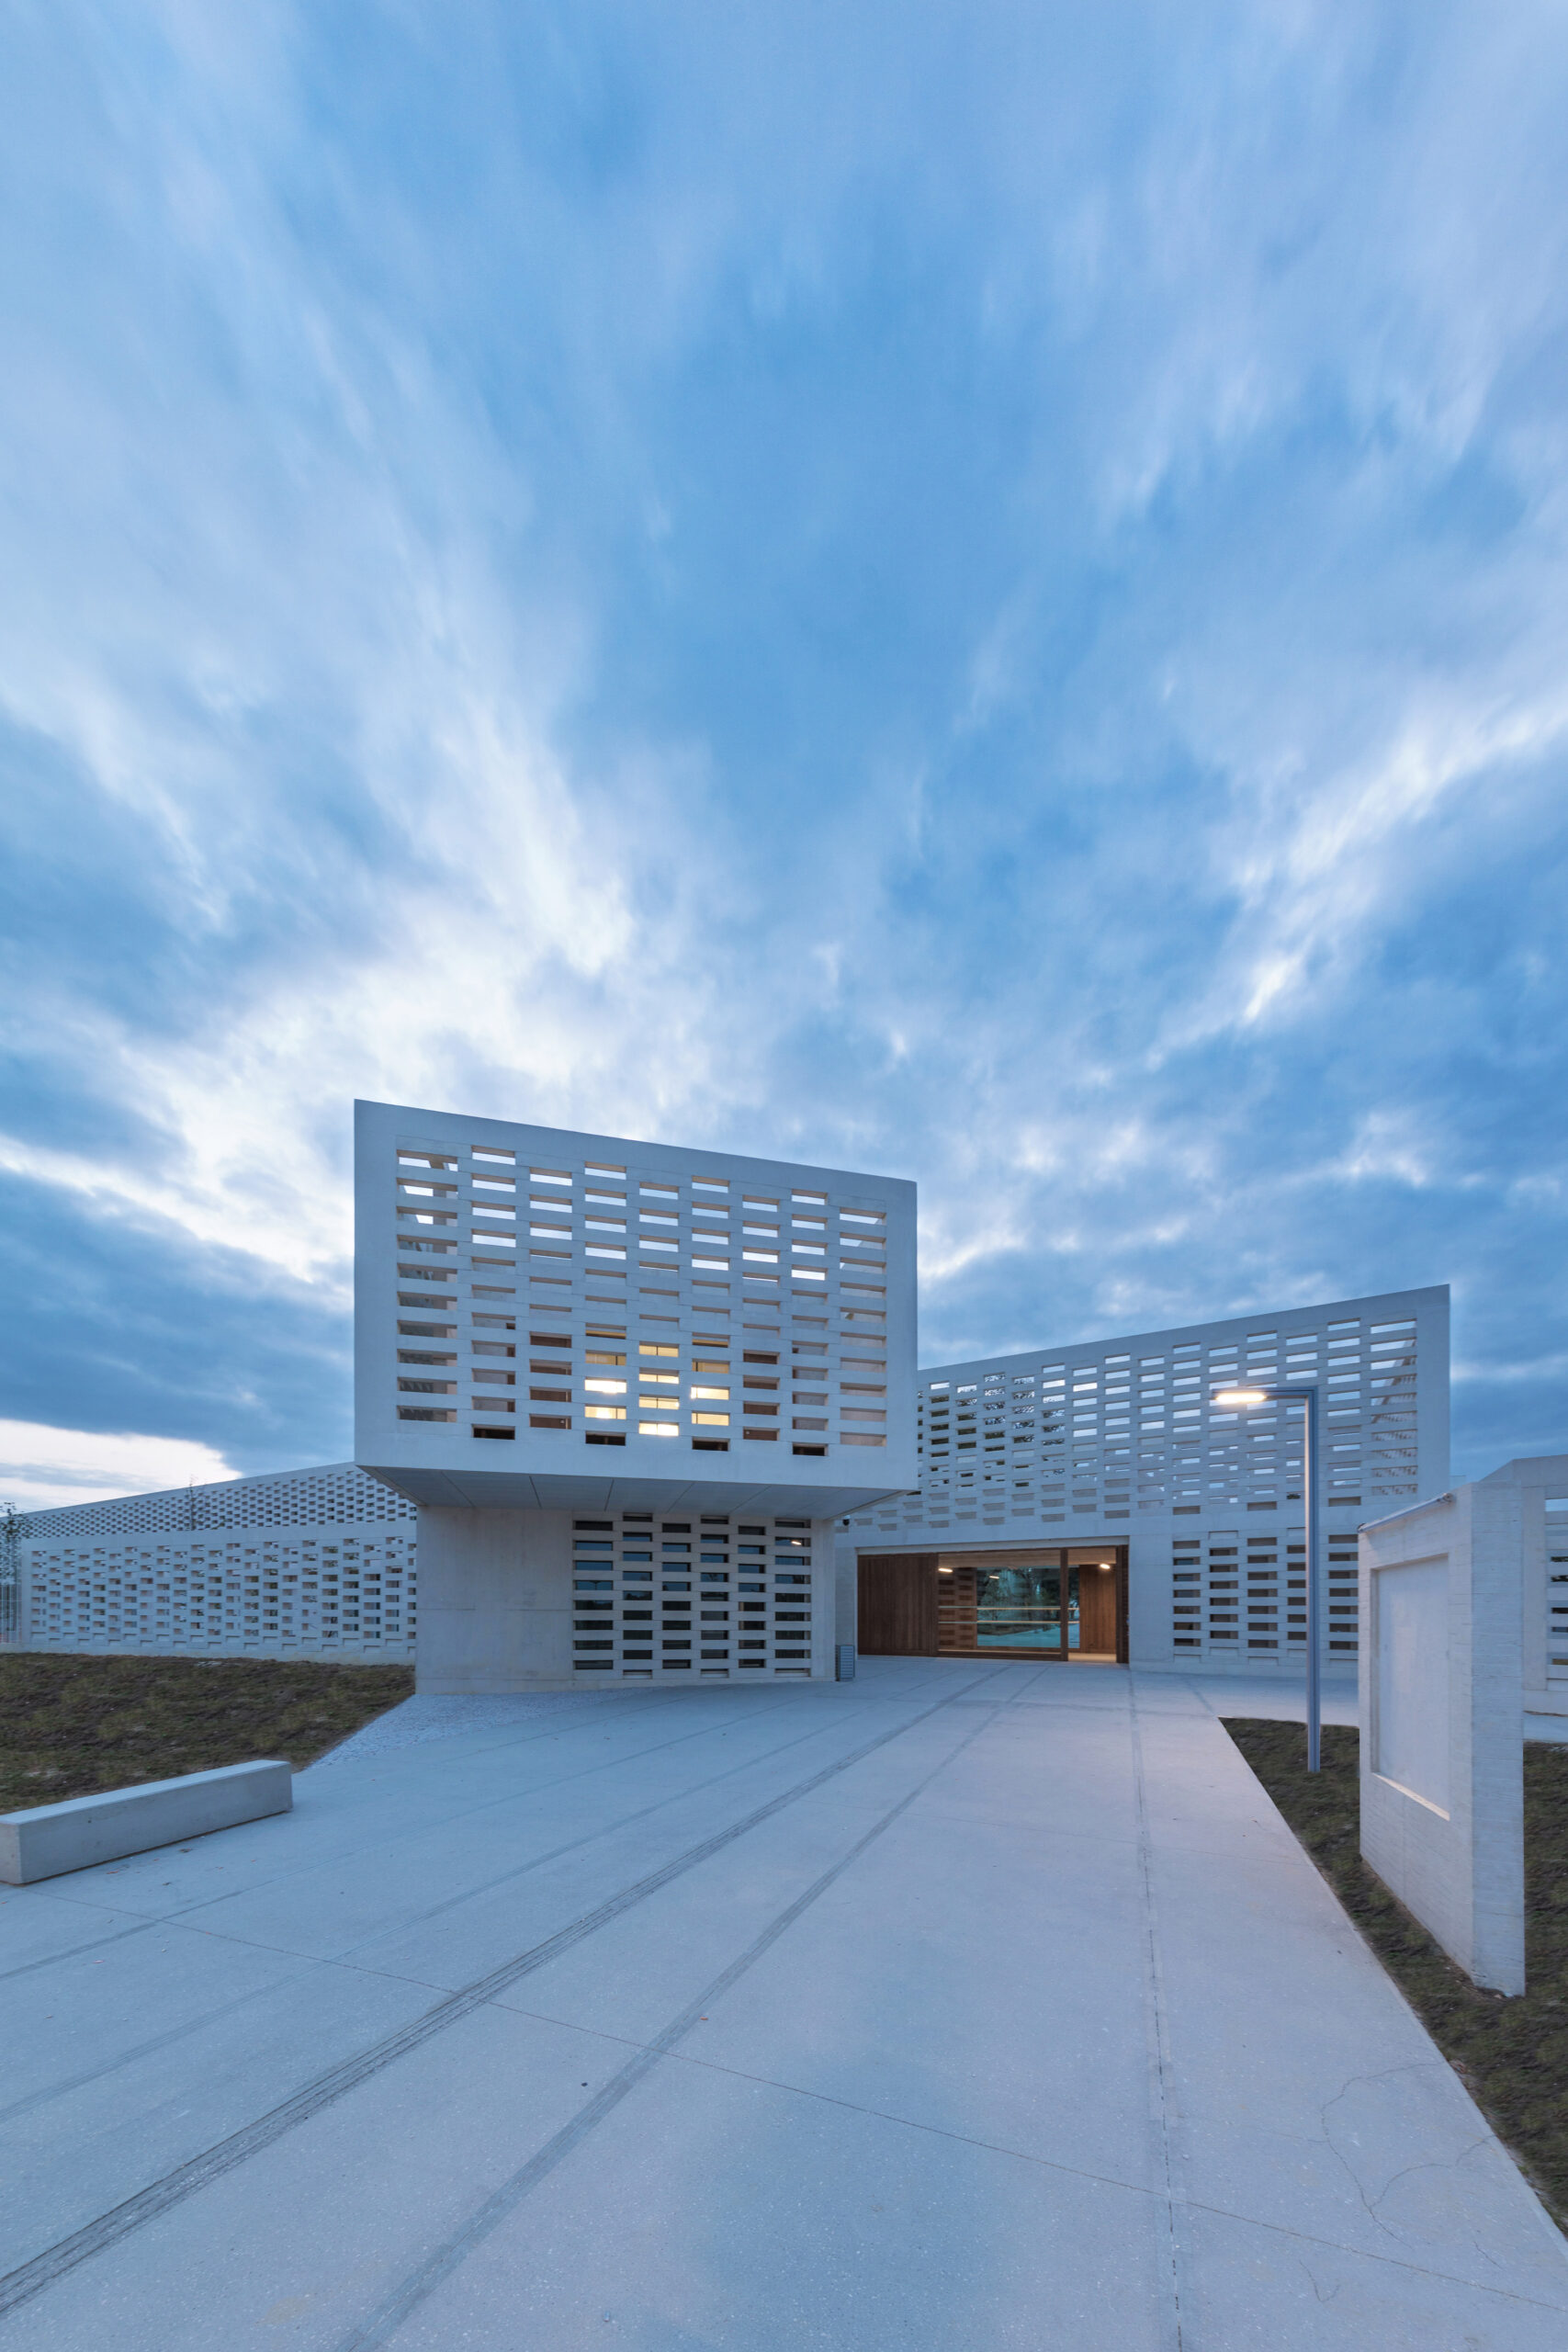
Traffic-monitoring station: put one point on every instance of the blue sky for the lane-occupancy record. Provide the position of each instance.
(974, 589)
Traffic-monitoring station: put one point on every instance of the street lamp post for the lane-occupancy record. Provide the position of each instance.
(1241, 1399)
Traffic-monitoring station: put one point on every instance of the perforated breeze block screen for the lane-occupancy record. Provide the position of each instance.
(310, 1563)
(547, 1318)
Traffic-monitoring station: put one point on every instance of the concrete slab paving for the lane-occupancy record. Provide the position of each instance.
(888, 2239)
(969, 2002)
(36, 1934)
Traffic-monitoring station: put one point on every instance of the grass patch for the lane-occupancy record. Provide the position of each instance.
(70, 1724)
(1512, 2055)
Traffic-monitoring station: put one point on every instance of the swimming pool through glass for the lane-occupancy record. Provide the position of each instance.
(1060, 1603)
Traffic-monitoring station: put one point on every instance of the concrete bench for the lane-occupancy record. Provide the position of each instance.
(48, 1839)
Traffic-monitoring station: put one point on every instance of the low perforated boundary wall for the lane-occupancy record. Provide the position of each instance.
(317, 1563)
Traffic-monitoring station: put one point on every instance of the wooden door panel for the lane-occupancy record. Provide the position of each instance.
(1097, 1610)
(899, 1605)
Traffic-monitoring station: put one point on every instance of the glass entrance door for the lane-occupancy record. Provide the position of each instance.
(1056, 1605)
(1019, 1609)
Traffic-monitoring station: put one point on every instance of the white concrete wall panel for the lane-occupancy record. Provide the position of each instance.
(527, 1599)
(1553, 1604)
(1442, 1783)
(660, 1597)
(512, 1600)
(1115, 1441)
(317, 1563)
(1412, 1668)
(550, 1319)
(1541, 1481)
(498, 1601)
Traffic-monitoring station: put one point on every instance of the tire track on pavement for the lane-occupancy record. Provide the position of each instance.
(30, 2278)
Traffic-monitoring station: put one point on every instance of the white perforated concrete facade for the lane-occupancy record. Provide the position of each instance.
(542, 1316)
(323, 1564)
(543, 1600)
(631, 1387)
(1114, 1441)
(1541, 1481)
(307, 1564)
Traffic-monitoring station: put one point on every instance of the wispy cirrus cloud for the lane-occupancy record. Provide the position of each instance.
(976, 593)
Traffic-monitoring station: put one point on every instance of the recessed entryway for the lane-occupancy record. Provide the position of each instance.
(1067, 1603)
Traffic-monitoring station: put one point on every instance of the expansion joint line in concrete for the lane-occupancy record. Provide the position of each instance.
(611, 1828)
(409, 1919)
(1160, 2072)
(564, 1780)
(196, 2023)
(76, 1951)
(29, 2279)
(422, 2282)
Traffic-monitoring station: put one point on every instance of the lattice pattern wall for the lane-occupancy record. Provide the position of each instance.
(553, 1298)
(338, 1494)
(1096, 1434)
(650, 1301)
(321, 1563)
(1557, 1594)
(676, 1598)
(1239, 1595)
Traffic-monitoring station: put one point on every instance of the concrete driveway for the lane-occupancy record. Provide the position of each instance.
(968, 2005)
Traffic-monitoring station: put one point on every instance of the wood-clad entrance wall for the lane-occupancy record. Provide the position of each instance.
(1059, 1602)
(1102, 1613)
(898, 1605)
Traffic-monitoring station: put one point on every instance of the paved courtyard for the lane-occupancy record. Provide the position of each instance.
(967, 2005)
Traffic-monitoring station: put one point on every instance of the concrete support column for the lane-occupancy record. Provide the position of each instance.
(494, 1601)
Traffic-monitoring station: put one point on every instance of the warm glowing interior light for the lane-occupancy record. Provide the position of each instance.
(1240, 1396)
